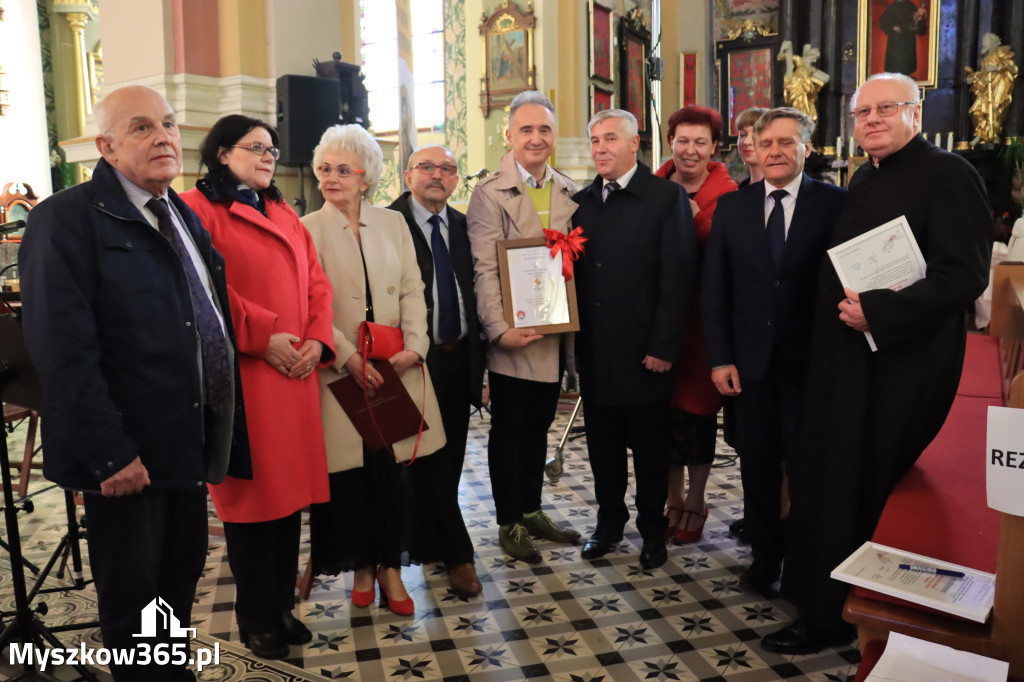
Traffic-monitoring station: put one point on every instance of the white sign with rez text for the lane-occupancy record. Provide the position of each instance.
(1005, 465)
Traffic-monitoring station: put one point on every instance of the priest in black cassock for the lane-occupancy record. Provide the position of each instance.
(869, 415)
(634, 283)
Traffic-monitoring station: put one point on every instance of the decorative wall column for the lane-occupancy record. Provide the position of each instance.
(455, 100)
(77, 22)
(788, 29)
(1014, 37)
(829, 107)
(966, 55)
(569, 90)
(78, 15)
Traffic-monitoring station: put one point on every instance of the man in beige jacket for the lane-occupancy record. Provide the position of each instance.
(520, 200)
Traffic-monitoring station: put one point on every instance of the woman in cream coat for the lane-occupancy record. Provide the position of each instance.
(370, 259)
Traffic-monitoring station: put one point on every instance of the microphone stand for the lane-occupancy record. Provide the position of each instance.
(24, 626)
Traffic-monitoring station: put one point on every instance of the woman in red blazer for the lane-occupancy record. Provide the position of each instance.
(281, 304)
(694, 133)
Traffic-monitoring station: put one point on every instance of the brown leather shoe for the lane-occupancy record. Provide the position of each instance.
(464, 581)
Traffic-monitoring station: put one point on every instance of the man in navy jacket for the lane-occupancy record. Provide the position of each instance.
(113, 318)
(757, 299)
(634, 283)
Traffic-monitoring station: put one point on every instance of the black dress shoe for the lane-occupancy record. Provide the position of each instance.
(653, 554)
(597, 546)
(267, 645)
(761, 577)
(294, 631)
(738, 530)
(798, 639)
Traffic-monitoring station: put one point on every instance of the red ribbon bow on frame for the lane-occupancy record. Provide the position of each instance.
(571, 246)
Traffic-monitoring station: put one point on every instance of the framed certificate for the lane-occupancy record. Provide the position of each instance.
(534, 293)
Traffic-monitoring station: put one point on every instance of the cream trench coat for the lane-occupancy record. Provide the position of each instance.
(501, 209)
(397, 293)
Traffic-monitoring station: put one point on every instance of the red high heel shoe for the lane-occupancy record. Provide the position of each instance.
(684, 535)
(363, 599)
(406, 607)
(670, 529)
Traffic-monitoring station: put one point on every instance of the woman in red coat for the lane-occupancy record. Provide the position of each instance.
(694, 133)
(281, 304)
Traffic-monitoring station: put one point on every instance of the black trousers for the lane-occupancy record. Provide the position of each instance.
(610, 431)
(439, 531)
(521, 414)
(768, 413)
(264, 559)
(143, 547)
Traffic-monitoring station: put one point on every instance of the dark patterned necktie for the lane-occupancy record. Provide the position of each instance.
(776, 227)
(448, 324)
(216, 367)
(609, 188)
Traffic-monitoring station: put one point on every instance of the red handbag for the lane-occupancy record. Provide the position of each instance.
(381, 342)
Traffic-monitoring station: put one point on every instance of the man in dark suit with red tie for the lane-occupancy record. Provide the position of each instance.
(758, 291)
(455, 358)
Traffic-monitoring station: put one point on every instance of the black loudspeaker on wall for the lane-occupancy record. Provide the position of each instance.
(306, 107)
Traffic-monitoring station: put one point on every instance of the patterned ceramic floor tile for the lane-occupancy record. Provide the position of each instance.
(564, 619)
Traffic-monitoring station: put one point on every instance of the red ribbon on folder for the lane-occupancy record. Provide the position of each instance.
(571, 246)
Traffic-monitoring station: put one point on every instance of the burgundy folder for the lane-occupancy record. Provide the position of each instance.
(393, 410)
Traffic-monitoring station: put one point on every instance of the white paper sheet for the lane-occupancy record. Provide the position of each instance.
(908, 659)
(886, 257)
(538, 287)
(1004, 475)
(876, 567)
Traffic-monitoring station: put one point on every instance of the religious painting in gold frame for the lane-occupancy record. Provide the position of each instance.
(634, 87)
(746, 78)
(509, 66)
(901, 36)
(689, 78)
(600, 99)
(601, 39)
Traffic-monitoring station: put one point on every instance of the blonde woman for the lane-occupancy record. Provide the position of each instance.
(370, 260)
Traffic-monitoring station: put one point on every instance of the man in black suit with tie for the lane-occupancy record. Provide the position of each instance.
(757, 296)
(634, 283)
(455, 358)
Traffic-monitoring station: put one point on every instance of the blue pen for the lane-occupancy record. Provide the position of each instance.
(933, 571)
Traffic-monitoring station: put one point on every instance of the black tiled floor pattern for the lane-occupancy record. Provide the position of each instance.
(565, 619)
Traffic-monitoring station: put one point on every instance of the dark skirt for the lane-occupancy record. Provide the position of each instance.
(691, 438)
(364, 524)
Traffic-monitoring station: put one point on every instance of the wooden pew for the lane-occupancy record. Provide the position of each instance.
(1002, 637)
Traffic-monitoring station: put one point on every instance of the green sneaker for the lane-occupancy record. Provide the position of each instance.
(515, 540)
(540, 525)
